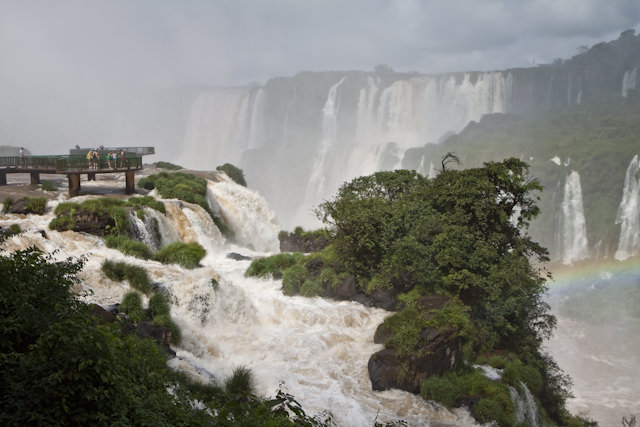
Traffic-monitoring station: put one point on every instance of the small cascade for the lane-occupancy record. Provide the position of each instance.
(573, 229)
(246, 213)
(146, 231)
(193, 224)
(629, 81)
(628, 215)
(526, 408)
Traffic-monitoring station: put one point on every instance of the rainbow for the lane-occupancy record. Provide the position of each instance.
(593, 273)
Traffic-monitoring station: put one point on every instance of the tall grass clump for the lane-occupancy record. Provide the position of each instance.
(166, 321)
(158, 304)
(128, 246)
(234, 173)
(48, 186)
(241, 383)
(188, 255)
(137, 276)
(131, 305)
(273, 266)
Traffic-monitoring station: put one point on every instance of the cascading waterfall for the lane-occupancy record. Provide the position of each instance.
(573, 231)
(629, 213)
(316, 187)
(362, 125)
(241, 207)
(629, 81)
(526, 408)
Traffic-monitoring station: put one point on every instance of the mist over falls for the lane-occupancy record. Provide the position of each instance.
(299, 138)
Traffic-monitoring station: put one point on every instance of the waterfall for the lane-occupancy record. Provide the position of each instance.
(297, 129)
(628, 215)
(629, 81)
(573, 230)
(526, 408)
(246, 213)
(221, 126)
(316, 187)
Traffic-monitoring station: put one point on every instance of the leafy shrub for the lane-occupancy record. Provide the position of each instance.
(131, 305)
(516, 371)
(48, 186)
(138, 278)
(115, 271)
(120, 270)
(293, 278)
(241, 383)
(128, 246)
(36, 205)
(273, 265)
(168, 166)
(311, 288)
(166, 321)
(149, 202)
(62, 223)
(15, 229)
(234, 173)
(158, 304)
(187, 255)
(214, 284)
(7, 203)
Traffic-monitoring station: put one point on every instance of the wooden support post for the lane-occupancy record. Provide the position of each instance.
(91, 176)
(35, 178)
(130, 182)
(3, 178)
(74, 184)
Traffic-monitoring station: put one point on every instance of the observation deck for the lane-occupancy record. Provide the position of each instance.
(75, 165)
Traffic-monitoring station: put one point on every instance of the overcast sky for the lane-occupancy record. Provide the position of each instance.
(79, 53)
(238, 41)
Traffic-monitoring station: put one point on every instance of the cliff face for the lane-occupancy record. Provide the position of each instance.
(298, 138)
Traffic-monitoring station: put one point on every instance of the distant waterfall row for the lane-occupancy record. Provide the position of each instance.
(311, 135)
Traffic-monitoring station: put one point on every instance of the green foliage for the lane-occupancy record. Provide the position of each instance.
(166, 321)
(214, 284)
(311, 287)
(274, 265)
(516, 372)
(158, 304)
(15, 229)
(48, 186)
(7, 203)
(59, 364)
(241, 383)
(137, 276)
(234, 173)
(131, 305)
(149, 202)
(450, 388)
(128, 246)
(188, 255)
(293, 278)
(186, 187)
(32, 205)
(36, 205)
(168, 166)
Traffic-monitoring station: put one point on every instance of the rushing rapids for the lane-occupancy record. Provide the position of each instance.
(313, 348)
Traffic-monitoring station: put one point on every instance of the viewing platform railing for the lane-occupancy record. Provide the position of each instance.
(70, 164)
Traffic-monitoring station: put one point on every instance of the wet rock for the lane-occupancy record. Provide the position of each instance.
(298, 242)
(237, 256)
(439, 351)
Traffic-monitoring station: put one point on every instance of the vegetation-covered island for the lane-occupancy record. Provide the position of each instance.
(452, 258)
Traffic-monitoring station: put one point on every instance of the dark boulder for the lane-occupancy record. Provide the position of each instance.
(92, 222)
(299, 242)
(237, 256)
(439, 351)
(102, 314)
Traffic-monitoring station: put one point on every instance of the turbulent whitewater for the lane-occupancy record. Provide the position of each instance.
(313, 348)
